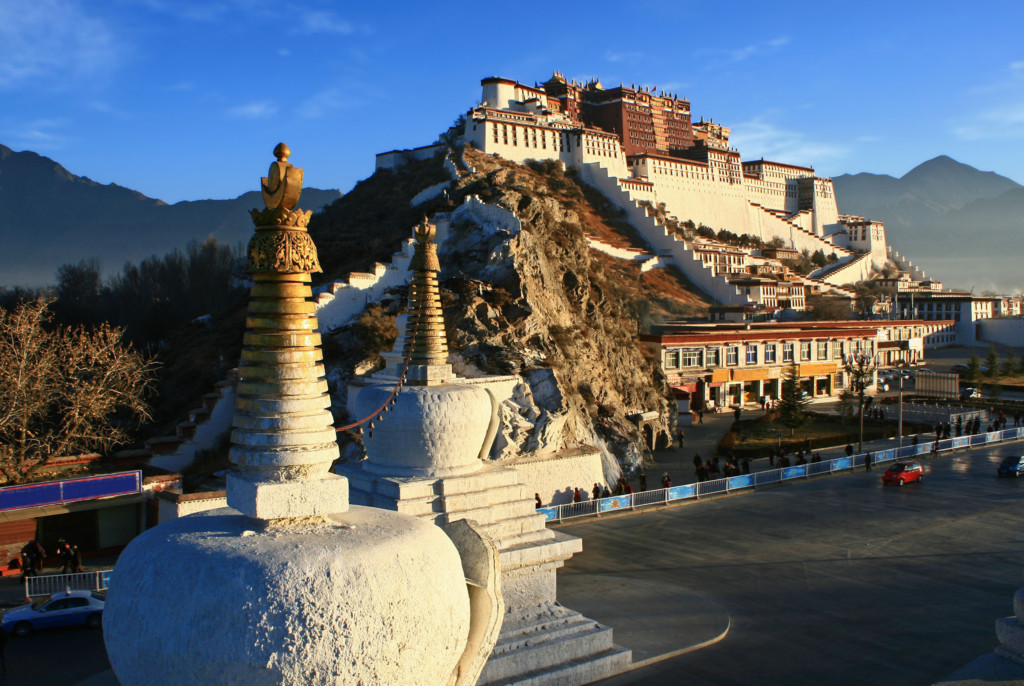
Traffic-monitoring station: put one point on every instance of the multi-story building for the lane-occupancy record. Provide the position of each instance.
(726, 364)
(642, 142)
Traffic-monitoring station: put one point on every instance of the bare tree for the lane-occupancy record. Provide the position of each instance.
(64, 390)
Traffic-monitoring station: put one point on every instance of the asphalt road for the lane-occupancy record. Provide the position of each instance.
(832, 581)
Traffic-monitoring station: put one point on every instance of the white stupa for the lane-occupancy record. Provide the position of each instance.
(289, 585)
(426, 455)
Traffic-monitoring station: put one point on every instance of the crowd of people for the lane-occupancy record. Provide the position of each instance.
(33, 555)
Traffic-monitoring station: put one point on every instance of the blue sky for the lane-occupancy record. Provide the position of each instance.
(185, 100)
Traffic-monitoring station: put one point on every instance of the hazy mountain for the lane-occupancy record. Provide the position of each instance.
(962, 225)
(49, 216)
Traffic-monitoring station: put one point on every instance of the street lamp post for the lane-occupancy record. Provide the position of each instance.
(901, 366)
(860, 366)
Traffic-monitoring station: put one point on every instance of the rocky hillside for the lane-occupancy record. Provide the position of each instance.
(540, 303)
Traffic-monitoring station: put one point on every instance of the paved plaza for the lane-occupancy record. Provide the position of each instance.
(835, 580)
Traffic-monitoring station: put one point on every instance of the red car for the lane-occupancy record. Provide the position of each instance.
(903, 472)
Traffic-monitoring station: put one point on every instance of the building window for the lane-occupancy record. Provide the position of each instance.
(769, 353)
(691, 357)
(787, 352)
(672, 359)
(732, 355)
(805, 351)
(822, 350)
(837, 350)
(711, 357)
(751, 353)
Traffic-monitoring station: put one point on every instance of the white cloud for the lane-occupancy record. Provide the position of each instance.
(327, 101)
(624, 57)
(253, 110)
(319, 21)
(760, 138)
(55, 40)
(1017, 66)
(39, 135)
(999, 122)
(746, 51)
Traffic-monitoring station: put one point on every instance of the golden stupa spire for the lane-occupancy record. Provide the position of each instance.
(426, 342)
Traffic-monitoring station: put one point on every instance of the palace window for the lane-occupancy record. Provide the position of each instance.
(837, 350)
(732, 355)
(711, 357)
(672, 359)
(691, 357)
(822, 350)
(751, 353)
(769, 353)
(805, 351)
(787, 352)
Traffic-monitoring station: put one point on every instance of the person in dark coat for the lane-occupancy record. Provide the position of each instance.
(849, 450)
(746, 465)
(867, 462)
(643, 481)
(666, 481)
(596, 492)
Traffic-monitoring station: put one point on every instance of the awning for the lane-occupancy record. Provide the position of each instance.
(818, 369)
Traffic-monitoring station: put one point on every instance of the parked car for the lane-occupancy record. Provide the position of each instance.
(66, 608)
(968, 393)
(1011, 466)
(903, 472)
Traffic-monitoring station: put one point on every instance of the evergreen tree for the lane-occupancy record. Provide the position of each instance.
(991, 362)
(1009, 364)
(791, 404)
(973, 369)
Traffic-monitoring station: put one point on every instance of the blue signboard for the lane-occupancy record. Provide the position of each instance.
(550, 513)
(680, 492)
(618, 502)
(842, 463)
(794, 472)
(70, 490)
(743, 481)
(101, 486)
(30, 495)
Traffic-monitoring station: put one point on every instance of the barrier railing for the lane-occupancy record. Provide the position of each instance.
(36, 586)
(701, 489)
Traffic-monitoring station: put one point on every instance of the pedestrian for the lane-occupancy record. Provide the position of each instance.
(577, 496)
(746, 465)
(597, 491)
(700, 416)
(697, 461)
(849, 449)
(643, 481)
(913, 441)
(682, 438)
(666, 482)
(76, 560)
(807, 444)
(867, 462)
(65, 556)
(771, 457)
(538, 504)
(606, 493)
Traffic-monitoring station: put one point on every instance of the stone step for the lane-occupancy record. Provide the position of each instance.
(200, 415)
(186, 431)
(615, 660)
(497, 512)
(546, 651)
(509, 493)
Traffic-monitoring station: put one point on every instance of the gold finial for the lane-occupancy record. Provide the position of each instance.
(282, 152)
(425, 231)
(282, 185)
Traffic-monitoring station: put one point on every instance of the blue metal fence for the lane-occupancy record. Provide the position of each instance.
(695, 491)
(70, 490)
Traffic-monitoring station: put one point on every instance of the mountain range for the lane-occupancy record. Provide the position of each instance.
(963, 226)
(50, 217)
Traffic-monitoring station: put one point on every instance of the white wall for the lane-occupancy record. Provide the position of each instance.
(1007, 331)
(550, 476)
